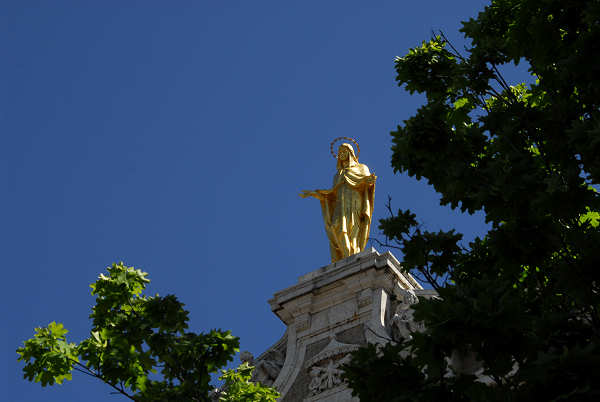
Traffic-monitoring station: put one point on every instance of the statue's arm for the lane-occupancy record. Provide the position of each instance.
(318, 194)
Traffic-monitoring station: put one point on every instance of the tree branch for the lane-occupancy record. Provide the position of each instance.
(386, 244)
(86, 370)
(446, 40)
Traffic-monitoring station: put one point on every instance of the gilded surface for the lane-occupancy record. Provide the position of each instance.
(348, 206)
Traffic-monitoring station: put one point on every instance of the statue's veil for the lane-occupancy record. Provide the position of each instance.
(353, 160)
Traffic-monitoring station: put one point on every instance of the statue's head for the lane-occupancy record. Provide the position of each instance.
(246, 356)
(346, 156)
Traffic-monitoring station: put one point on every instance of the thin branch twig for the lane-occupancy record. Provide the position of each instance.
(86, 370)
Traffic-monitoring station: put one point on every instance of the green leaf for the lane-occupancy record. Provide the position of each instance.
(590, 217)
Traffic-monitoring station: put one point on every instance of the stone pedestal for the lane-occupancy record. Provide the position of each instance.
(329, 313)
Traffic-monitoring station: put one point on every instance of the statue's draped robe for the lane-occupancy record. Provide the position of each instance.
(348, 209)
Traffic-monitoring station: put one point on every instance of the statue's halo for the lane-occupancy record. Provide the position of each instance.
(344, 138)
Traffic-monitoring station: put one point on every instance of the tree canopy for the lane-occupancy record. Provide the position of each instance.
(523, 301)
(133, 337)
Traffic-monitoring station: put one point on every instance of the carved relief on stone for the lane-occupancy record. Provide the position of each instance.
(402, 323)
(267, 367)
(324, 368)
(327, 376)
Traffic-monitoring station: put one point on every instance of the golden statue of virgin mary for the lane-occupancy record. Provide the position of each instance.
(348, 207)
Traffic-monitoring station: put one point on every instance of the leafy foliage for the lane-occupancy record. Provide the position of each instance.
(132, 337)
(239, 388)
(524, 299)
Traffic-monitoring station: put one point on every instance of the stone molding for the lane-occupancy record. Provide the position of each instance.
(375, 271)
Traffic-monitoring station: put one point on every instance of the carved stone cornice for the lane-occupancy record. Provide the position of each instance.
(340, 281)
(334, 350)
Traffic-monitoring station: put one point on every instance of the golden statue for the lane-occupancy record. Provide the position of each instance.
(348, 207)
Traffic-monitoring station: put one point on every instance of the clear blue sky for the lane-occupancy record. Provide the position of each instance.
(176, 136)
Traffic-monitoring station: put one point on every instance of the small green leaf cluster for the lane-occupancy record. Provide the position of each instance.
(428, 255)
(524, 300)
(58, 356)
(138, 345)
(238, 387)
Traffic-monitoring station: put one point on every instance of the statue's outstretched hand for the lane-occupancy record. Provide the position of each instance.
(307, 193)
(318, 194)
